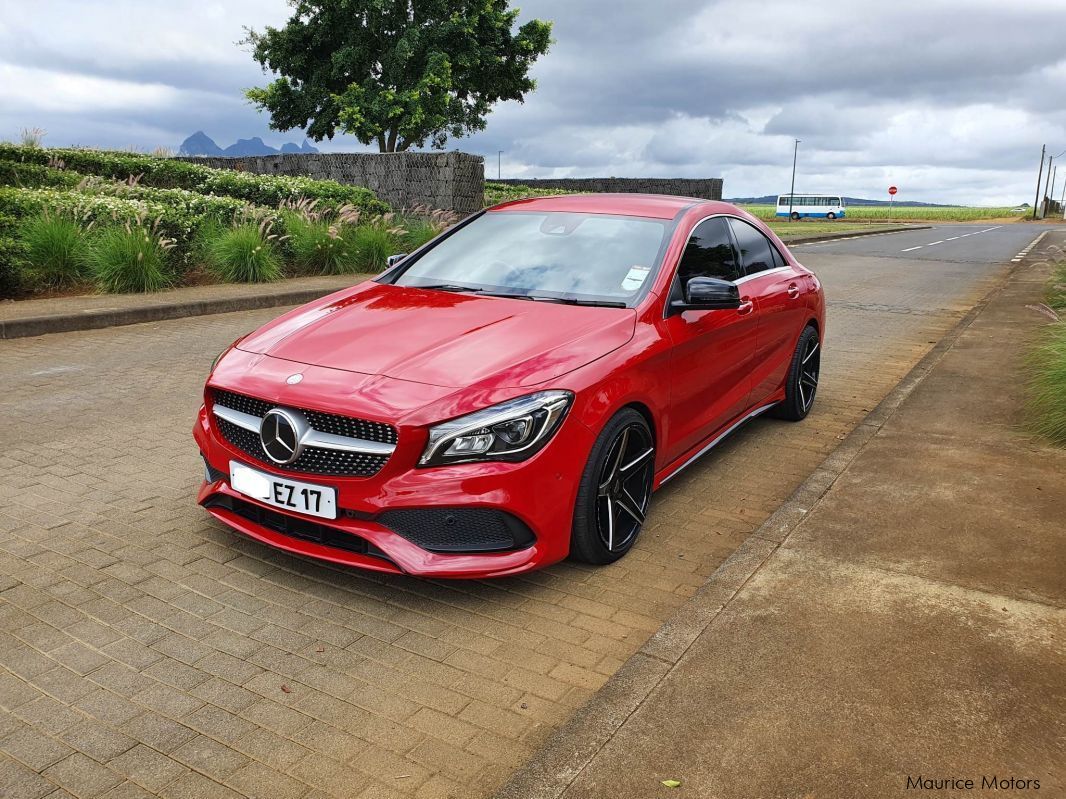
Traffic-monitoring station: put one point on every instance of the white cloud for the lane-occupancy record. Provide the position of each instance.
(949, 99)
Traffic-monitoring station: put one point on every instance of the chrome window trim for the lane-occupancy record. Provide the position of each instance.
(761, 274)
(311, 438)
(739, 280)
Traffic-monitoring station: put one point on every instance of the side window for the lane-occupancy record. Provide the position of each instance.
(709, 253)
(757, 254)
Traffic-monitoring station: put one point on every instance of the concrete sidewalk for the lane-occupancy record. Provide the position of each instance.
(902, 617)
(19, 318)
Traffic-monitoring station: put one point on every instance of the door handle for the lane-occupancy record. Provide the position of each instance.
(745, 307)
(793, 291)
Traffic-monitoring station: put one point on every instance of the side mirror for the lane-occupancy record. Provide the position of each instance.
(707, 294)
(392, 260)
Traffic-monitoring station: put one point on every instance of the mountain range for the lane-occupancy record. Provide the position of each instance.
(202, 144)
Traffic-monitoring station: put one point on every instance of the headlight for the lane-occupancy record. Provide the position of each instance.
(511, 431)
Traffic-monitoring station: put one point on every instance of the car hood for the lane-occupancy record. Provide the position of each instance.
(443, 338)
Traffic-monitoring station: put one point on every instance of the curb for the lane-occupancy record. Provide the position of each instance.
(851, 234)
(112, 317)
(572, 747)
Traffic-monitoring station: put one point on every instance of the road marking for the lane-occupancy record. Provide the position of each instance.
(930, 244)
(1027, 248)
(913, 248)
(952, 238)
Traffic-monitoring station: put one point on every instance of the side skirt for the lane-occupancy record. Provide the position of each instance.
(714, 442)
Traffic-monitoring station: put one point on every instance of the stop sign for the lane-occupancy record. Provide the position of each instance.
(892, 189)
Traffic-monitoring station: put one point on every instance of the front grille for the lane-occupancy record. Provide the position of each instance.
(292, 527)
(313, 460)
(458, 529)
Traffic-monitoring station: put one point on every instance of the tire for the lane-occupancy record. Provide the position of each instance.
(622, 461)
(830, 215)
(801, 385)
(795, 216)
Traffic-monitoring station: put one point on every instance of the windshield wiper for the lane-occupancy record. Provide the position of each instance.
(448, 287)
(591, 303)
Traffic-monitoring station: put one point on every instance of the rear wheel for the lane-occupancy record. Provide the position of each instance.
(802, 382)
(795, 216)
(615, 490)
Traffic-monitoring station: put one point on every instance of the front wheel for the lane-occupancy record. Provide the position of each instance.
(802, 382)
(615, 490)
(830, 215)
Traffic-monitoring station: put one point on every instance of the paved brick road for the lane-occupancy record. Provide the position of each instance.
(145, 650)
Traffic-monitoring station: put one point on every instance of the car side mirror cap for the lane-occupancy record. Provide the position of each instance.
(392, 260)
(708, 294)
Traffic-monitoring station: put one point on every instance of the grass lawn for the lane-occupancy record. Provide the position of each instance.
(904, 213)
(790, 230)
(1048, 363)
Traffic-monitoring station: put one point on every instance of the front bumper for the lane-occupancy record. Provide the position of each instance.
(538, 495)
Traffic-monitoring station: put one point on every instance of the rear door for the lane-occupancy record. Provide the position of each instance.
(779, 292)
(713, 351)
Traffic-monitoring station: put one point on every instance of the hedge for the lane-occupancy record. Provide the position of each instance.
(10, 267)
(13, 173)
(169, 173)
(181, 214)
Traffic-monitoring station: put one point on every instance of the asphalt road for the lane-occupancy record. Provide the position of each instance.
(144, 646)
(990, 243)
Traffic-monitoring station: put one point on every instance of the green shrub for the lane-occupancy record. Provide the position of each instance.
(1048, 384)
(179, 214)
(55, 249)
(321, 246)
(157, 172)
(131, 257)
(423, 224)
(374, 241)
(12, 257)
(13, 173)
(245, 253)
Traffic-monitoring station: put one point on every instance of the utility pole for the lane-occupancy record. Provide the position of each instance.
(792, 191)
(1051, 195)
(499, 162)
(1039, 176)
(1047, 182)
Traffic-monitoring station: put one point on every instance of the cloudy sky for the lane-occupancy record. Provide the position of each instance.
(949, 100)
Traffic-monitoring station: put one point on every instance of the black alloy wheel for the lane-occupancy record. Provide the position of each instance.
(615, 490)
(802, 383)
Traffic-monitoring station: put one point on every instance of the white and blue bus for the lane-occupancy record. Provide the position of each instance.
(822, 206)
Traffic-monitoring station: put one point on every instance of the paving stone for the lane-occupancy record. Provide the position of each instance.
(130, 622)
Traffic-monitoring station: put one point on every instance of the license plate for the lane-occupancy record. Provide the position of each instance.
(306, 498)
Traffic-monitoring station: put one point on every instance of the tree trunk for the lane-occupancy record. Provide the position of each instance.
(381, 143)
(392, 140)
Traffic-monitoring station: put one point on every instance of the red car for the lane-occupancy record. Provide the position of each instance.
(514, 391)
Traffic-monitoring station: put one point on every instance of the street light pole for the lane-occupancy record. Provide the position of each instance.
(1039, 177)
(499, 162)
(792, 191)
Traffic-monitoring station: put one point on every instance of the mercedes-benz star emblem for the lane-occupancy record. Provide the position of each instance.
(280, 435)
(292, 380)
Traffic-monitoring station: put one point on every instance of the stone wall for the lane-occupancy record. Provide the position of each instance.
(703, 188)
(451, 181)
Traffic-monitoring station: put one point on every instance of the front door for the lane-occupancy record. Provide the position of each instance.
(713, 351)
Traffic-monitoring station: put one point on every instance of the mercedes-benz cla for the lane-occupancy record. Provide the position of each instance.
(514, 391)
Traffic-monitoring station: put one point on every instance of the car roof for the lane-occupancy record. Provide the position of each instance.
(656, 206)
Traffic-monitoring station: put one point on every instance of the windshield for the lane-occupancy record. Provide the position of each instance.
(545, 255)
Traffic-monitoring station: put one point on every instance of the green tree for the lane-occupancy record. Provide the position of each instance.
(395, 72)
